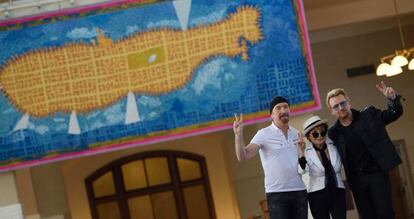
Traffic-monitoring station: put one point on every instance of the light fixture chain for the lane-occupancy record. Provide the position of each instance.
(399, 24)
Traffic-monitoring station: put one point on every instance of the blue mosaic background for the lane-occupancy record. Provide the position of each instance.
(218, 89)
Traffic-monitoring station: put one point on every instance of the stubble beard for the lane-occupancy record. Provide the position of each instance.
(345, 116)
(284, 119)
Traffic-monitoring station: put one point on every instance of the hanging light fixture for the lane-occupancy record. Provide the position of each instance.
(391, 65)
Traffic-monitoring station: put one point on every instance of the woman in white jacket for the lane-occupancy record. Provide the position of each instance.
(326, 192)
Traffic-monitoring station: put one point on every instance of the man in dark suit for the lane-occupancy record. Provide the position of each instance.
(366, 150)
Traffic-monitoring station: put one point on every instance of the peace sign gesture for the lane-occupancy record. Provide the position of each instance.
(238, 124)
(388, 92)
(301, 144)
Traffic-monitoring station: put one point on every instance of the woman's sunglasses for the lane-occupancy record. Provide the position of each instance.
(316, 134)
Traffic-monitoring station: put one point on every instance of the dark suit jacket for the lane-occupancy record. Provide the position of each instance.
(371, 127)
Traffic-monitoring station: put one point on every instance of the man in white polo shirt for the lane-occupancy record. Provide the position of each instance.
(278, 150)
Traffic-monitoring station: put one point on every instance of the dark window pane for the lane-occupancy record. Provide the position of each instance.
(104, 185)
(140, 208)
(108, 211)
(164, 205)
(157, 170)
(134, 175)
(196, 202)
(188, 169)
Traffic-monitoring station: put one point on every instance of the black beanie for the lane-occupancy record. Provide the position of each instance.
(276, 100)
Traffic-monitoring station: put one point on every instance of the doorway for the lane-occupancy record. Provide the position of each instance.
(402, 185)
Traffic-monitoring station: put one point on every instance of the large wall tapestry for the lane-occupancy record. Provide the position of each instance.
(84, 81)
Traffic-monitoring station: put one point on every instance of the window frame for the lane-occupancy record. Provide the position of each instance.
(175, 186)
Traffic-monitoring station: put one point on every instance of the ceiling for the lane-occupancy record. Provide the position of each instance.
(309, 4)
(313, 4)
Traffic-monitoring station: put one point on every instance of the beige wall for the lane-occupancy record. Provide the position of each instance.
(332, 58)
(210, 146)
(49, 190)
(8, 190)
(26, 191)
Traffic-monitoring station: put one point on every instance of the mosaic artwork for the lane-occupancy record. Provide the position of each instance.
(87, 82)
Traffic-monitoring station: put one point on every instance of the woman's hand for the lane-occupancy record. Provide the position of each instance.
(301, 145)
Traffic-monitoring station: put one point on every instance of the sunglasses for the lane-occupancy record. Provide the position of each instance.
(316, 134)
(342, 104)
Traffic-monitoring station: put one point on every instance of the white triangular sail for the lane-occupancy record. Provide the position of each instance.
(132, 115)
(73, 124)
(182, 9)
(23, 123)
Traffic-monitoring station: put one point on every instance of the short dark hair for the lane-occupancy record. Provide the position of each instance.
(276, 100)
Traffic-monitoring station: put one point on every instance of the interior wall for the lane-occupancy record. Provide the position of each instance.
(8, 190)
(26, 191)
(247, 176)
(50, 191)
(210, 146)
(331, 59)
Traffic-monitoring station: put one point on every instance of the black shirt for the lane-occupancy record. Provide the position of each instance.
(357, 153)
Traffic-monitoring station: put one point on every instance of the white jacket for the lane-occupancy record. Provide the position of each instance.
(317, 171)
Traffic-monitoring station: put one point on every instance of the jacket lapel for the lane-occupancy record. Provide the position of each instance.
(339, 142)
(333, 156)
(313, 155)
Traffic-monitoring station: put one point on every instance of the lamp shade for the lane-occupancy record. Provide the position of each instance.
(411, 64)
(383, 69)
(399, 61)
(395, 70)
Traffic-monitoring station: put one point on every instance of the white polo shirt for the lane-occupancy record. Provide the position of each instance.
(279, 158)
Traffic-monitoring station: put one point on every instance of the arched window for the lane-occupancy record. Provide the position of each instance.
(152, 185)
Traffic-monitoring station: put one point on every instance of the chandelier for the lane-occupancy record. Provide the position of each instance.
(392, 64)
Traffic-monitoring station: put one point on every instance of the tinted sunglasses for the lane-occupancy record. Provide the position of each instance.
(342, 104)
(316, 134)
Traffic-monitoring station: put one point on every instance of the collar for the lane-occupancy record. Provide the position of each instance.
(355, 116)
(322, 149)
(279, 129)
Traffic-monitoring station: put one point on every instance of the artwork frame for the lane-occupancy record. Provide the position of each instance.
(270, 56)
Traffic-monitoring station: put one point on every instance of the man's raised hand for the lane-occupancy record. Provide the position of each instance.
(388, 92)
(238, 124)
